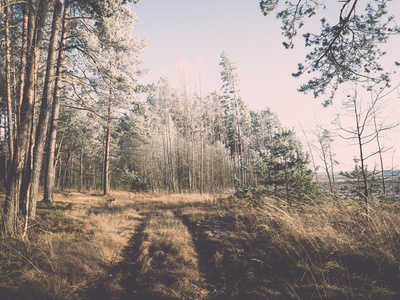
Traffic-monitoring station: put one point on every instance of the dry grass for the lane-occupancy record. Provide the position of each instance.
(168, 260)
(71, 243)
(197, 247)
(268, 249)
(332, 251)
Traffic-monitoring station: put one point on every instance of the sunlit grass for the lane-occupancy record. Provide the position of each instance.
(192, 246)
(168, 260)
(68, 245)
(336, 250)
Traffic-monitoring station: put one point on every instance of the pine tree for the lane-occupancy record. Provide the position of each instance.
(286, 168)
(347, 51)
(235, 112)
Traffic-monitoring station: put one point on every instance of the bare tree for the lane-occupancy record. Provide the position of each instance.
(324, 150)
(364, 130)
(380, 124)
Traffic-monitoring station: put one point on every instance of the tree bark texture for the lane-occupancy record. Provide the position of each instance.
(106, 183)
(35, 34)
(45, 109)
(52, 139)
(8, 82)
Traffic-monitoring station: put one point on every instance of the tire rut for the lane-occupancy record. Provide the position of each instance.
(132, 289)
(121, 282)
(234, 266)
(206, 250)
(229, 265)
(135, 278)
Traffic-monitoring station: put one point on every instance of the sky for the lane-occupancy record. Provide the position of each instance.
(194, 33)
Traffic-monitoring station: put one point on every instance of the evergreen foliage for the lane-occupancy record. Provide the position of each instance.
(347, 51)
(241, 190)
(71, 116)
(284, 168)
(181, 141)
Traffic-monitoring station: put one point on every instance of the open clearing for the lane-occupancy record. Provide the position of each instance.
(201, 247)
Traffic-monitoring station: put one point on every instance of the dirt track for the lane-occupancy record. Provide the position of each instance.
(228, 263)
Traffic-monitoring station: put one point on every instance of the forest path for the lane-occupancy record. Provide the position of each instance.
(236, 265)
(184, 249)
(159, 262)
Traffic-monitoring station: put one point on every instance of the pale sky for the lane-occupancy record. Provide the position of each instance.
(198, 31)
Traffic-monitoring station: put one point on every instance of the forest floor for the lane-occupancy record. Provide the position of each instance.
(186, 246)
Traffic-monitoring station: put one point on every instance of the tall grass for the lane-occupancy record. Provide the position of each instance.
(190, 247)
(70, 243)
(330, 251)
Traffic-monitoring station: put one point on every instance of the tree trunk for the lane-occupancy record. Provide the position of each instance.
(202, 152)
(359, 129)
(81, 166)
(332, 162)
(11, 206)
(71, 176)
(45, 109)
(8, 83)
(67, 167)
(89, 180)
(380, 150)
(80, 187)
(60, 164)
(106, 185)
(22, 67)
(52, 139)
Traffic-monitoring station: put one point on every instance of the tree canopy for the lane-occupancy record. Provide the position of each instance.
(348, 50)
